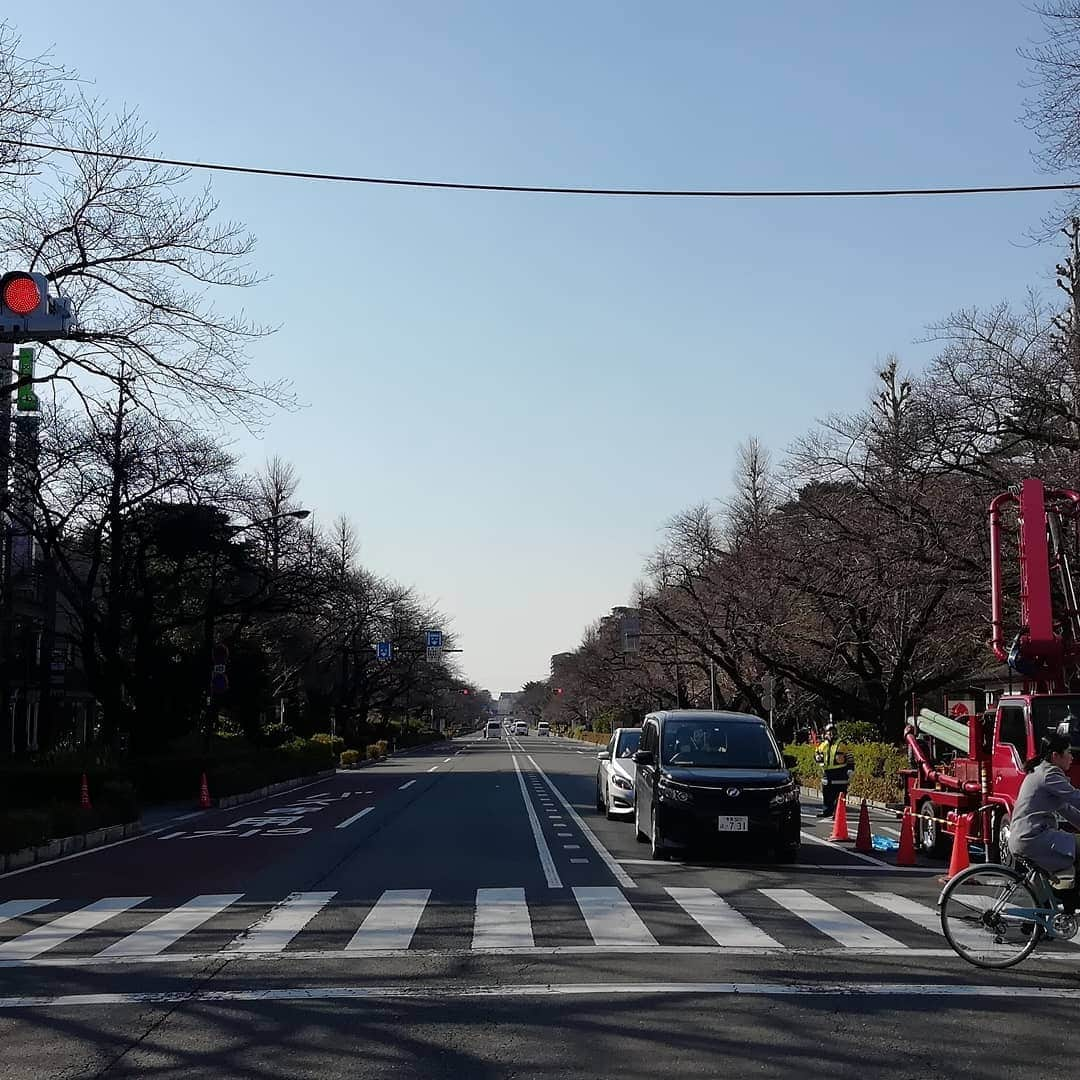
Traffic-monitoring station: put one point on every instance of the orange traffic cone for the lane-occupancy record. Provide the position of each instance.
(960, 860)
(204, 794)
(84, 794)
(863, 841)
(906, 855)
(839, 828)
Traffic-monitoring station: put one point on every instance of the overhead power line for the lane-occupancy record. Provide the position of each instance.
(536, 189)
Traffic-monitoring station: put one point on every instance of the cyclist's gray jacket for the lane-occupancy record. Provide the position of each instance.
(1044, 794)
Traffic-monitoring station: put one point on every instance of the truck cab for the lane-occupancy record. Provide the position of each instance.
(976, 766)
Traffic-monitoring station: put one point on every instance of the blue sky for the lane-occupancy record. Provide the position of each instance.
(510, 394)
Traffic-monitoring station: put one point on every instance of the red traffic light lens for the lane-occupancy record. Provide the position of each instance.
(21, 294)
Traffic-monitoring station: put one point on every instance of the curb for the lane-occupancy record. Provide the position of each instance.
(68, 845)
(271, 789)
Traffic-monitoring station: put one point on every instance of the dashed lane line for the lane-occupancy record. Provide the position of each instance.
(356, 817)
(620, 875)
(551, 874)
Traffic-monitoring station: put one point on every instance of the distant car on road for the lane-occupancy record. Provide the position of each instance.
(521, 728)
(543, 728)
(616, 773)
(493, 730)
(708, 777)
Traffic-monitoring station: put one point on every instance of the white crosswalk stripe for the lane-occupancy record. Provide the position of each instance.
(502, 920)
(912, 910)
(610, 917)
(720, 921)
(35, 942)
(155, 937)
(282, 923)
(12, 909)
(392, 922)
(839, 925)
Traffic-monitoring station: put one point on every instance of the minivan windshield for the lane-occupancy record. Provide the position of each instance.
(720, 744)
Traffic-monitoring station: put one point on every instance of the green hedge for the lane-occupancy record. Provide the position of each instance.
(417, 738)
(877, 769)
(115, 805)
(234, 767)
(600, 738)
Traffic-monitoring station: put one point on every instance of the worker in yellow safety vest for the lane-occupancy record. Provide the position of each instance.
(835, 770)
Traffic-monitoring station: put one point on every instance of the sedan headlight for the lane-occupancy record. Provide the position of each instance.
(789, 793)
(621, 782)
(668, 793)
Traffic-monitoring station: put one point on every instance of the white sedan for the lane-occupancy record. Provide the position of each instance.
(616, 773)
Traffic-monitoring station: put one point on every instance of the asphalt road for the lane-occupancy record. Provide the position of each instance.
(465, 912)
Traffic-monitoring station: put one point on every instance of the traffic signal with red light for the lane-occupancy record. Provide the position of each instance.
(28, 312)
(558, 689)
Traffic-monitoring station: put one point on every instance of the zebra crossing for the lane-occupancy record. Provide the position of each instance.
(500, 920)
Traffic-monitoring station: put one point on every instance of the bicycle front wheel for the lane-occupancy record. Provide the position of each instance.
(990, 916)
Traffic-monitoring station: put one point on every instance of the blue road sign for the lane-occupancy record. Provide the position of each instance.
(434, 639)
(386, 650)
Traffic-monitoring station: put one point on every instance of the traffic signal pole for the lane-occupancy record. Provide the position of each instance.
(7, 355)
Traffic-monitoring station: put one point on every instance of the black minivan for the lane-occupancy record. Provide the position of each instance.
(704, 778)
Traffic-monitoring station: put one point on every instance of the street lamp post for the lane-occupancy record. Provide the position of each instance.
(211, 613)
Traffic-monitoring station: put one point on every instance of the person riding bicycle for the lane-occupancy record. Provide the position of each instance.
(1046, 794)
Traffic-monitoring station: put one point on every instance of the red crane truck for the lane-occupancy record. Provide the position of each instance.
(975, 766)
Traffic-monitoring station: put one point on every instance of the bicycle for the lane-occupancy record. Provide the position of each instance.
(993, 915)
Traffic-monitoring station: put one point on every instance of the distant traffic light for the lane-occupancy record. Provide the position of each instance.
(558, 689)
(465, 692)
(27, 312)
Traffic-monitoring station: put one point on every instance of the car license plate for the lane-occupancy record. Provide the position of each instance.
(729, 823)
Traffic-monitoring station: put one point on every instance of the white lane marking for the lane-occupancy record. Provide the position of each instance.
(169, 928)
(150, 832)
(281, 923)
(579, 860)
(838, 868)
(446, 759)
(1044, 959)
(64, 928)
(567, 835)
(12, 909)
(610, 918)
(920, 914)
(620, 875)
(433, 768)
(720, 920)
(356, 817)
(391, 923)
(408, 783)
(502, 920)
(854, 854)
(571, 847)
(542, 849)
(1047, 994)
(823, 916)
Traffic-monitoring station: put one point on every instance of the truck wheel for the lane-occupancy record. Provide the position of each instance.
(1002, 852)
(931, 838)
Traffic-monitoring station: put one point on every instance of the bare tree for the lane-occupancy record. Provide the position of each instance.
(33, 98)
(755, 494)
(142, 253)
(1053, 110)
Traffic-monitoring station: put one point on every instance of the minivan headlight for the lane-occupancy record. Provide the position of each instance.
(789, 793)
(670, 793)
